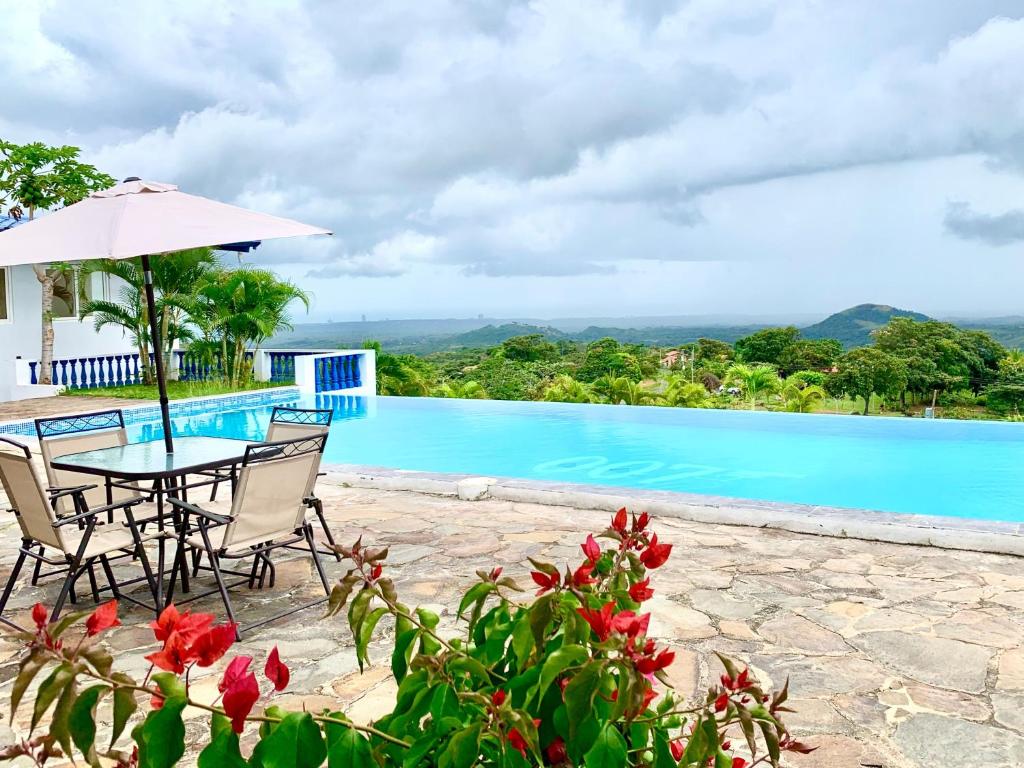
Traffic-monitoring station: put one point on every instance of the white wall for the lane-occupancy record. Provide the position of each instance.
(21, 334)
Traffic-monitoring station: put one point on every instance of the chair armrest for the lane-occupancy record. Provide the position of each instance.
(126, 504)
(76, 518)
(192, 509)
(56, 493)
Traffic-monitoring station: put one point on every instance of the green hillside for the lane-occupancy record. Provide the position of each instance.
(853, 326)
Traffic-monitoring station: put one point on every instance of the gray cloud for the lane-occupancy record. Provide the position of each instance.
(554, 138)
(998, 229)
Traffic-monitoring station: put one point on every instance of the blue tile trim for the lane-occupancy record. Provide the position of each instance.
(148, 413)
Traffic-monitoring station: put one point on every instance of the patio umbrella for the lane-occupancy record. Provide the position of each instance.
(142, 219)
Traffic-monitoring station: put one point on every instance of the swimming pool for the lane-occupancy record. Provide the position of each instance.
(935, 467)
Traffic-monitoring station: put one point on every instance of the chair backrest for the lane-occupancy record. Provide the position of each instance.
(26, 495)
(272, 483)
(297, 423)
(61, 435)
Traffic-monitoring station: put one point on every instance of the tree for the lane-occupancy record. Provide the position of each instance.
(239, 309)
(606, 357)
(613, 389)
(712, 351)
(754, 381)
(462, 390)
(866, 371)
(529, 348)
(36, 177)
(566, 389)
(806, 378)
(802, 399)
(682, 393)
(809, 355)
(766, 345)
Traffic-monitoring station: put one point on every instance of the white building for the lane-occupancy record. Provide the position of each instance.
(21, 328)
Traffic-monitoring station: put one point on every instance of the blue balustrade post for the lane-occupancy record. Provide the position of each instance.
(357, 377)
(74, 374)
(32, 372)
(92, 372)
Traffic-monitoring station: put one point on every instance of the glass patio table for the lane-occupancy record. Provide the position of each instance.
(128, 465)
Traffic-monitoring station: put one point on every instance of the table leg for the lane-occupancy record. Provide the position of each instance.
(158, 489)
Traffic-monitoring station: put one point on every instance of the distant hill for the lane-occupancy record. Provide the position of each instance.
(853, 326)
(492, 335)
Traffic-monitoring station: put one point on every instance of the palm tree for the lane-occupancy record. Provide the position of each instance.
(462, 390)
(396, 374)
(241, 308)
(753, 380)
(802, 399)
(612, 389)
(635, 393)
(685, 394)
(565, 389)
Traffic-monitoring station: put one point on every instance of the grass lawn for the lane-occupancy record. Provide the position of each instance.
(176, 390)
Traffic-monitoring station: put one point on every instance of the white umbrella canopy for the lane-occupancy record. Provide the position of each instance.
(140, 219)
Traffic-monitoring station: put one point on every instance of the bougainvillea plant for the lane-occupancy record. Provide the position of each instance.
(567, 678)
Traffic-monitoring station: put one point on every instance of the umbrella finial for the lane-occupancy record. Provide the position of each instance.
(131, 178)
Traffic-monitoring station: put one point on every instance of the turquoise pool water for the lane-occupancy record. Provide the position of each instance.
(935, 467)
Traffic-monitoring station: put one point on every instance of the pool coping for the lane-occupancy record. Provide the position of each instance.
(186, 406)
(991, 536)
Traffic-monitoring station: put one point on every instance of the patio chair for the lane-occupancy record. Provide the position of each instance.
(288, 423)
(79, 540)
(268, 511)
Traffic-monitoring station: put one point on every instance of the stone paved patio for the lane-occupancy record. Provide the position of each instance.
(39, 407)
(898, 656)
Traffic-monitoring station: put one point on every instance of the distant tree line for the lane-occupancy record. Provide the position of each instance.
(910, 364)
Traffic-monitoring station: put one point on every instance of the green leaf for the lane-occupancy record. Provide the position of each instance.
(161, 737)
(296, 742)
(124, 705)
(771, 740)
(556, 663)
(222, 751)
(169, 684)
(99, 658)
(475, 596)
(522, 639)
(58, 629)
(400, 656)
(444, 703)
(27, 671)
(420, 749)
(49, 690)
(580, 692)
(350, 750)
(541, 613)
(463, 748)
(357, 613)
(366, 628)
(59, 718)
(82, 722)
(609, 750)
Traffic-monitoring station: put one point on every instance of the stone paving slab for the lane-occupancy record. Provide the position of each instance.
(40, 407)
(899, 656)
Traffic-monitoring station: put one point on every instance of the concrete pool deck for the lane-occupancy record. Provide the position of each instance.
(899, 656)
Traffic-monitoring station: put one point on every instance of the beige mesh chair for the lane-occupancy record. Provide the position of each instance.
(268, 511)
(77, 540)
(292, 424)
(62, 435)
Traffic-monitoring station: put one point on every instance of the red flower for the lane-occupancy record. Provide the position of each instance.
(591, 548)
(649, 696)
(648, 665)
(629, 624)
(544, 581)
(39, 615)
(742, 681)
(376, 571)
(581, 576)
(156, 701)
(495, 573)
(738, 762)
(677, 747)
(722, 702)
(212, 644)
(187, 625)
(239, 700)
(640, 523)
(498, 698)
(599, 621)
(516, 740)
(640, 591)
(102, 618)
(619, 521)
(276, 671)
(173, 656)
(234, 672)
(656, 554)
(556, 751)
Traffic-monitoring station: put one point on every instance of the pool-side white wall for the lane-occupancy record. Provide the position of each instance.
(21, 334)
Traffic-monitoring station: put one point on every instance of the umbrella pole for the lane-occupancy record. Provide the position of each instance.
(154, 334)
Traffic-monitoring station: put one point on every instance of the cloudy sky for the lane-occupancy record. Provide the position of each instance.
(571, 157)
